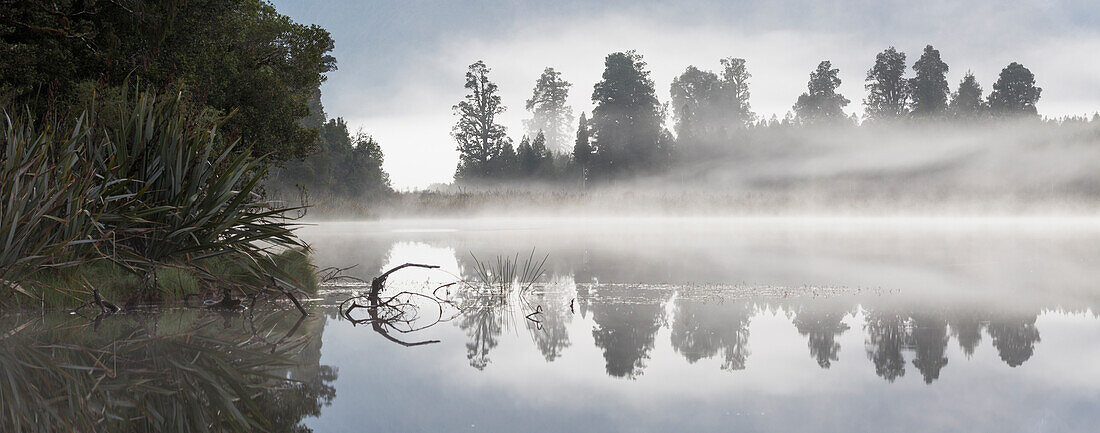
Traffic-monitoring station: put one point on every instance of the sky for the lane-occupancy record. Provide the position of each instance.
(402, 63)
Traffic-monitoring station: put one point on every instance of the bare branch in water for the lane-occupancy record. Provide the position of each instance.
(379, 282)
(394, 313)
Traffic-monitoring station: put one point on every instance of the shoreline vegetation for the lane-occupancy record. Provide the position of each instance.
(138, 202)
(137, 142)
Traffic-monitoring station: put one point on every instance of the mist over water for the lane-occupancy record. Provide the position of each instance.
(854, 323)
(994, 169)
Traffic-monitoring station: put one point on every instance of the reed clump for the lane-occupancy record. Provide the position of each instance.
(505, 275)
(142, 197)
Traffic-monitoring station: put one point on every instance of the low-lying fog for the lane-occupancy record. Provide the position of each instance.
(1000, 168)
(1013, 262)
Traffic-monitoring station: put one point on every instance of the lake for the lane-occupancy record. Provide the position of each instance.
(645, 324)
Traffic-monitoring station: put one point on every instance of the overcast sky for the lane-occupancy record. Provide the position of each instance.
(401, 63)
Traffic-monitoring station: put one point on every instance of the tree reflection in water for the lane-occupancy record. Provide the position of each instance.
(483, 320)
(821, 321)
(966, 327)
(627, 318)
(702, 329)
(1014, 336)
(549, 326)
(626, 327)
(181, 370)
(887, 336)
(930, 339)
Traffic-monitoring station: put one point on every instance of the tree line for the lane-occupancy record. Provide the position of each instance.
(626, 133)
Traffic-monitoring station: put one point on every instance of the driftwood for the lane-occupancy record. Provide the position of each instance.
(379, 282)
(392, 312)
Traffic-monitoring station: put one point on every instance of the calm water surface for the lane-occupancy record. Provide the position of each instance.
(689, 325)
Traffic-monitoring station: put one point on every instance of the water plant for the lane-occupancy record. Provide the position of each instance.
(505, 274)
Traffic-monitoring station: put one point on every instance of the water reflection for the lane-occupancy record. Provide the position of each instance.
(1014, 335)
(180, 370)
(930, 340)
(821, 323)
(549, 328)
(705, 324)
(626, 324)
(703, 329)
(670, 326)
(483, 320)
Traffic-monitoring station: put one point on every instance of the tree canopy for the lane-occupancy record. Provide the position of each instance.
(821, 103)
(966, 102)
(480, 138)
(550, 115)
(887, 88)
(710, 108)
(1015, 92)
(626, 123)
(929, 88)
(240, 56)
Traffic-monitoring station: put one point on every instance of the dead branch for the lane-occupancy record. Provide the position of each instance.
(105, 306)
(379, 282)
(275, 283)
(395, 313)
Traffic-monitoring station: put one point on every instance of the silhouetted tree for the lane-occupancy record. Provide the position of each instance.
(733, 101)
(345, 165)
(695, 95)
(506, 165)
(966, 102)
(550, 114)
(582, 149)
(1015, 92)
(543, 157)
(710, 109)
(929, 89)
(887, 87)
(480, 138)
(525, 158)
(626, 123)
(534, 159)
(821, 103)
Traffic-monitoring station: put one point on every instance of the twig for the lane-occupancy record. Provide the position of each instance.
(277, 286)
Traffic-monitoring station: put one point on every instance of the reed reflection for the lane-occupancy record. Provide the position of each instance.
(180, 370)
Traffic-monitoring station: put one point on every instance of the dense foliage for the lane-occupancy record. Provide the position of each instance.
(153, 187)
(240, 56)
(347, 166)
(241, 62)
